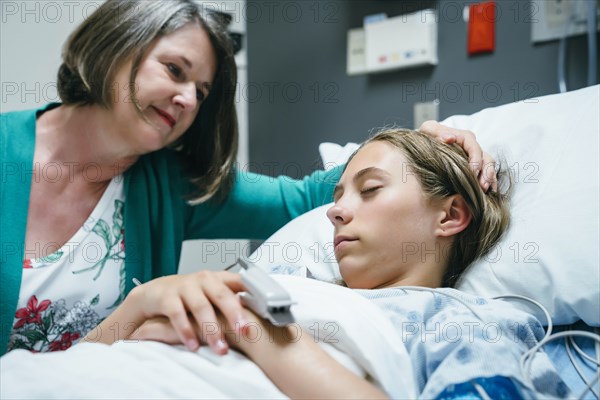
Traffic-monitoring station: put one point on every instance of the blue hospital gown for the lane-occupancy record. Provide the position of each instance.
(454, 353)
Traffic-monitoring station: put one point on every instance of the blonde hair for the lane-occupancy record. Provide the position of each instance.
(443, 171)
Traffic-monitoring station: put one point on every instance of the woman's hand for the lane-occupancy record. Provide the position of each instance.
(241, 337)
(482, 164)
(188, 302)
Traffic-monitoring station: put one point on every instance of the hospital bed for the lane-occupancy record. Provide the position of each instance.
(550, 255)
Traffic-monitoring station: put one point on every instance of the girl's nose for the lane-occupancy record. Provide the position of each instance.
(338, 214)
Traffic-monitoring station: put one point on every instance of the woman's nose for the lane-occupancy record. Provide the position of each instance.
(338, 214)
(186, 97)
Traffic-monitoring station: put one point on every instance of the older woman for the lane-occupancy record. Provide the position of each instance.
(137, 158)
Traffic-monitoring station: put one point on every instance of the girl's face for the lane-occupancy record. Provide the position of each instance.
(172, 81)
(383, 224)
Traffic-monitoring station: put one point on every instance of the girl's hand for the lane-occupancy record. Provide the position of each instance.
(482, 164)
(188, 303)
(309, 371)
(160, 329)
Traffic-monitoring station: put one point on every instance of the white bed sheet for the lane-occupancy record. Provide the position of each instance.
(156, 370)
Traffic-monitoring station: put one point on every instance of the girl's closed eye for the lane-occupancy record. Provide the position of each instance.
(370, 189)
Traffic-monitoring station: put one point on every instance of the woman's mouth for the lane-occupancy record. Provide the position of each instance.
(168, 118)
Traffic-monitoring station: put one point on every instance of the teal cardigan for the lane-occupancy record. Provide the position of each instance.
(157, 218)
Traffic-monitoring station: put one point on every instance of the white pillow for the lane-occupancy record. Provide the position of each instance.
(332, 154)
(306, 242)
(551, 251)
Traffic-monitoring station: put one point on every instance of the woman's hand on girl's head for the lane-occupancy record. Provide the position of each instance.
(189, 303)
(482, 164)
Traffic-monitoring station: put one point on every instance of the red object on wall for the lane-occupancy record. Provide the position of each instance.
(481, 30)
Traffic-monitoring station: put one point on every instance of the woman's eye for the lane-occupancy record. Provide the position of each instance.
(200, 95)
(174, 69)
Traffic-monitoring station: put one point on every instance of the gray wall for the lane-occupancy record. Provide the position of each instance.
(299, 94)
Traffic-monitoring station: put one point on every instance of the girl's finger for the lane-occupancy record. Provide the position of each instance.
(158, 329)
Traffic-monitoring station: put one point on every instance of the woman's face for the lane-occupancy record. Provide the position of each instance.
(173, 79)
(383, 225)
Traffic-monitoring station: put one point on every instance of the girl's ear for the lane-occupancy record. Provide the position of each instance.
(455, 216)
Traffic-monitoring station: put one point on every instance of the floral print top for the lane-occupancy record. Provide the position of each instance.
(67, 293)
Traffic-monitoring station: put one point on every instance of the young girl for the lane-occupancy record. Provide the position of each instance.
(408, 212)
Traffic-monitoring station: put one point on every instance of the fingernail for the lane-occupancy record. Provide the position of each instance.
(220, 347)
(240, 324)
(192, 344)
(245, 328)
(447, 136)
(486, 186)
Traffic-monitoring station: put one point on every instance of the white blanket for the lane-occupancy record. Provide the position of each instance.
(359, 335)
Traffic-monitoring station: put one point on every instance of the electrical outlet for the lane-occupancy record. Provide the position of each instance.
(555, 19)
(426, 111)
(557, 12)
(356, 59)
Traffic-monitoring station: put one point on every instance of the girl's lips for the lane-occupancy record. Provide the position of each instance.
(165, 116)
(343, 245)
(342, 241)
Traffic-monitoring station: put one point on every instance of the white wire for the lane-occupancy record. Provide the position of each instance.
(568, 343)
(538, 304)
(582, 353)
(597, 330)
(598, 354)
(528, 356)
(484, 395)
(589, 387)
